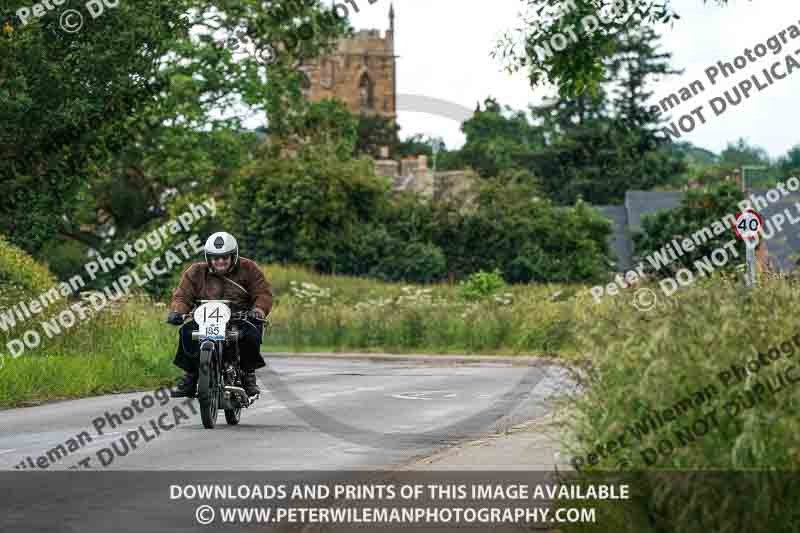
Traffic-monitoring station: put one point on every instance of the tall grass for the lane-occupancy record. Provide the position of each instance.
(644, 362)
(121, 349)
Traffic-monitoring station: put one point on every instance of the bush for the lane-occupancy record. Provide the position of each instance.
(65, 257)
(20, 275)
(22, 278)
(481, 284)
(304, 209)
(527, 238)
(335, 216)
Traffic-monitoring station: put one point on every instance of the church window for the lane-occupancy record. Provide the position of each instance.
(366, 91)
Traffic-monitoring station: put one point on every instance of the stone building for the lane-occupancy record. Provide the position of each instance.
(361, 72)
(412, 174)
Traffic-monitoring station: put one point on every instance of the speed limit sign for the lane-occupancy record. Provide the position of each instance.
(748, 224)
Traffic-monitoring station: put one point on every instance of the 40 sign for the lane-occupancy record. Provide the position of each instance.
(748, 225)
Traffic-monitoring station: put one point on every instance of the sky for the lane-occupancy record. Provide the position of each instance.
(444, 52)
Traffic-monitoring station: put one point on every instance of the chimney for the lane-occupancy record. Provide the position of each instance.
(384, 152)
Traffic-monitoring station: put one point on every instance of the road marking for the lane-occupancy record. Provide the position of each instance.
(420, 395)
(7, 451)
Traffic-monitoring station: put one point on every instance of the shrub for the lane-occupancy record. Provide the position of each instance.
(303, 209)
(418, 262)
(526, 237)
(481, 284)
(20, 274)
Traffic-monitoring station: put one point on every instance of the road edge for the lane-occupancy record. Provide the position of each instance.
(521, 360)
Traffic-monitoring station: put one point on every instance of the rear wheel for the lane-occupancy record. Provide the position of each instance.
(208, 385)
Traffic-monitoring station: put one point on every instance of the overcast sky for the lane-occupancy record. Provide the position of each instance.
(444, 50)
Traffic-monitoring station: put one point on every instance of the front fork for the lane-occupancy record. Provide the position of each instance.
(229, 373)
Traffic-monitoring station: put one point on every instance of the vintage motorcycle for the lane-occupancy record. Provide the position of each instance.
(219, 384)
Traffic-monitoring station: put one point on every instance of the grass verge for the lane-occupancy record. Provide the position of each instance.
(662, 405)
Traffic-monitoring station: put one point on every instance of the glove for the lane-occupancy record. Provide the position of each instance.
(176, 319)
(257, 313)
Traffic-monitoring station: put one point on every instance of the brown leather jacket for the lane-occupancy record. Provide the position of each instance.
(245, 286)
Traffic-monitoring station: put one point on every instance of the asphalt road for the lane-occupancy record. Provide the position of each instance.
(319, 421)
(328, 414)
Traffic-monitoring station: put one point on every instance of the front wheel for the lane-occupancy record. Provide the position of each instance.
(232, 416)
(208, 388)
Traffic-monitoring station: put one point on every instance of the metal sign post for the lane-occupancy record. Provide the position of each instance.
(750, 276)
(747, 226)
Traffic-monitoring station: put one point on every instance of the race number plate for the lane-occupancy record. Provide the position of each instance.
(212, 317)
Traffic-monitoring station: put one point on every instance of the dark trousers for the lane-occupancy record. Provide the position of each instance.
(188, 355)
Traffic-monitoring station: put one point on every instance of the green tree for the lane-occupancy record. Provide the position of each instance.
(790, 163)
(417, 144)
(135, 107)
(580, 66)
(421, 144)
(498, 139)
(329, 123)
(304, 207)
(636, 62)
(599, 146)
(65, 99)
(742, 153)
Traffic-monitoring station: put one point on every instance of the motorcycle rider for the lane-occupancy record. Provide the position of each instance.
(223, 276)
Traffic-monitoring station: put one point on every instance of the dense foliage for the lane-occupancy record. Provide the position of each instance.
(699, 209)
(334, 215)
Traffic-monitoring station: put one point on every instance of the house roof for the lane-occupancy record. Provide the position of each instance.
(639, 203)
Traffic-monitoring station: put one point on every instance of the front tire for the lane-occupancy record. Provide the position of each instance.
(208, 389)
(232, 416)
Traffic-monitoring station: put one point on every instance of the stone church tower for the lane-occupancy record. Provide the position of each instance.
(361, 73)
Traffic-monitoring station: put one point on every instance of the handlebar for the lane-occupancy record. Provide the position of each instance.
(239, 315)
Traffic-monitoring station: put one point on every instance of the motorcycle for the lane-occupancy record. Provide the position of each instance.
(219, 382)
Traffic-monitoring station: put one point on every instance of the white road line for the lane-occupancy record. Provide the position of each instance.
(420, 395)
(7, 451)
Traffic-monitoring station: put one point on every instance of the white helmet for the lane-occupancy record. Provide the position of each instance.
(221, 244)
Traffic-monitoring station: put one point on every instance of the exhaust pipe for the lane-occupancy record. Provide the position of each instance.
(237, 393)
